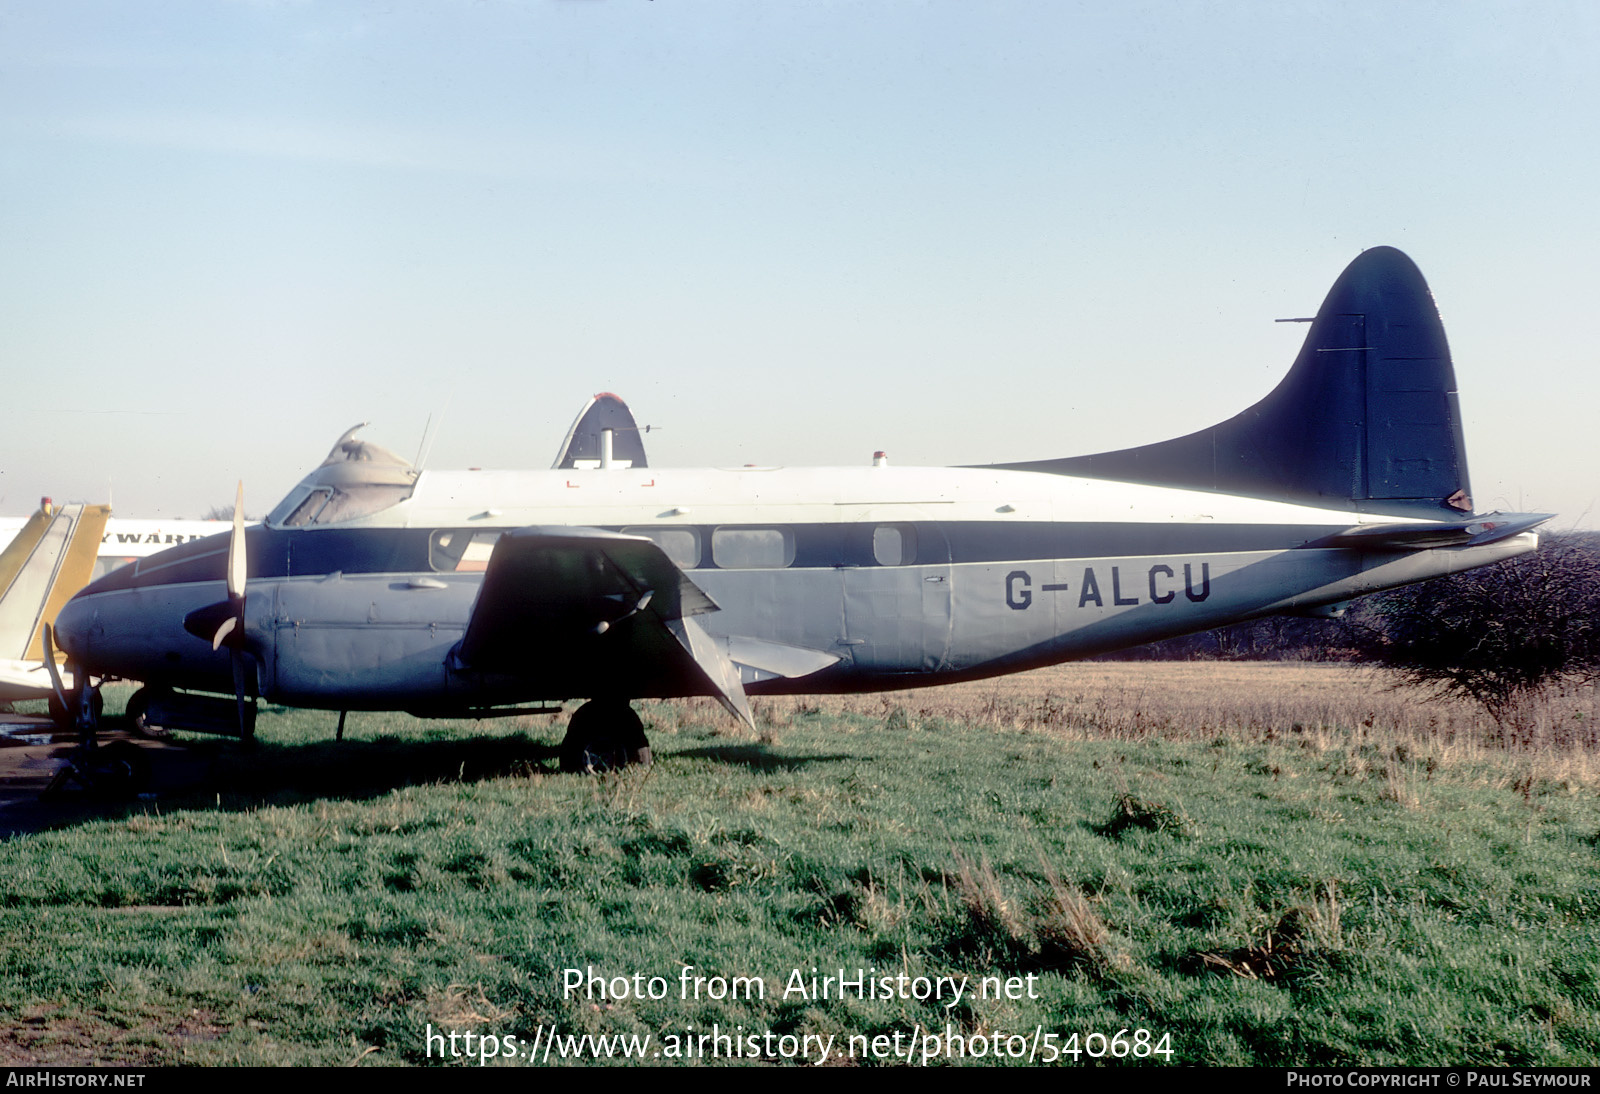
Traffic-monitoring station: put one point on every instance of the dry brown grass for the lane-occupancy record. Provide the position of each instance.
(987, 904)
(1062, 930)
(1303, 933)
(1333, 707)
(1070, 931)
(459, 1006)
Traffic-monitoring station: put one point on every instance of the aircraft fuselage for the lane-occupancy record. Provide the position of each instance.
(907, 576)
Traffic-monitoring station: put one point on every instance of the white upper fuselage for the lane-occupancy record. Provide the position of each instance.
(778, 495)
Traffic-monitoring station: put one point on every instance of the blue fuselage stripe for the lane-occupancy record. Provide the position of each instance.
(277, 552)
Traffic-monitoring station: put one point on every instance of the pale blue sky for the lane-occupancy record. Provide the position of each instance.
(785, 232)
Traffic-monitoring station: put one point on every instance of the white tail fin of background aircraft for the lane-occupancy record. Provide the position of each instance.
(604, 435)
(51, 558)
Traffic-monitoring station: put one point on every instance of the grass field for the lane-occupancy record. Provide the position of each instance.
(1268, 864)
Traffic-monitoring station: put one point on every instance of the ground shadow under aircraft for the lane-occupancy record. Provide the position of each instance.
(207, 773)
(758, 757)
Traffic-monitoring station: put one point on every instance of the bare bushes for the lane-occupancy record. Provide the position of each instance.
(1519, 637)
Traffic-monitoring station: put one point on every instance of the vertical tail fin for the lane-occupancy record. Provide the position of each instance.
(1368, 414)
(605, 413)
(49, 560)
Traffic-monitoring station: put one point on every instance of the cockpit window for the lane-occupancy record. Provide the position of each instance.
(356, 480)
(306, 512)
(334, 504)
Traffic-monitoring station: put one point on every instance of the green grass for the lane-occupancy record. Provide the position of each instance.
(1312, 900)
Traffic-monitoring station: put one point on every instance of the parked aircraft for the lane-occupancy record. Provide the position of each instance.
(122, 540)
(48, 559)
(376, 585)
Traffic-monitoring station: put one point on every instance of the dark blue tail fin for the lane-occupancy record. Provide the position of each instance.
(1368, 415)
(605, 413)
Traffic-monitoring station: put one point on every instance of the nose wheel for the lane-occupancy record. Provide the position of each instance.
(604, 735)
(117, 770)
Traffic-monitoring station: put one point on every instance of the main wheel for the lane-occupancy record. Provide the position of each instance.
(138, 713)
(604, 735)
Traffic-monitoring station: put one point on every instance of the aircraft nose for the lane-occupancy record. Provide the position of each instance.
(138, 634)
(71, 629)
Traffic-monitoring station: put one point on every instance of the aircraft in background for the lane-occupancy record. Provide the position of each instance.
(604, 435)
(375, 585)
(123, 540)
(50, 557)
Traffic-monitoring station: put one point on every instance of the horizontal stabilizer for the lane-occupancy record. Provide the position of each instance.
(766, 660)
(1470, 532)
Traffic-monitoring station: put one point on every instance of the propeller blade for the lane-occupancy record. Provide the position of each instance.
(50, 667)
(236, 555)
(214, 622)
(236, 579)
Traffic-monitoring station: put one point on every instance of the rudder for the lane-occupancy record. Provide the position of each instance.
(1367, 416)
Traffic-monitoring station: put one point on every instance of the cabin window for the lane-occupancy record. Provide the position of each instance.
(752, 548)
(461, 551)
(894, 544)
(681, 545)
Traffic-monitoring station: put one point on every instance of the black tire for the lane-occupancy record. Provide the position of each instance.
(604, 735)
(138, 714)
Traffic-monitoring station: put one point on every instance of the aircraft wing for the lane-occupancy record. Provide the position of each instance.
(604, 613)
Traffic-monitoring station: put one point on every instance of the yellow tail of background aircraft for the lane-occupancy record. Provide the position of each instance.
(51, 558)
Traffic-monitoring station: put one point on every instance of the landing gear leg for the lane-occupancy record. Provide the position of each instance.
(66, 718)
(117, 770)
(604, 735)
